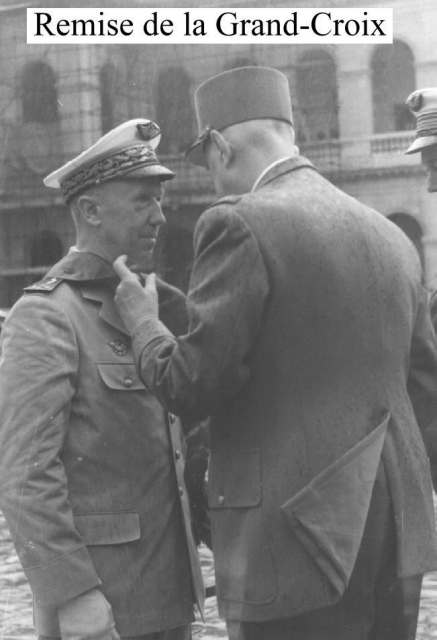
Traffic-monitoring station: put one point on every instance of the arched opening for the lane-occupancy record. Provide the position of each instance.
(411, 228)
(316, 111)
(107, 90)
(39, 95)
(393, 79)
(46, 249)
(173, 106)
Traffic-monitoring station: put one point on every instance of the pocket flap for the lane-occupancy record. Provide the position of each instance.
(234, 481)
(120, 375)
(108, 528)
(329, 514)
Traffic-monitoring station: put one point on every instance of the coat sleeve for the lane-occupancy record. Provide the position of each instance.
(192, 374)
(38, 367)
(172, 308)
(422, 380)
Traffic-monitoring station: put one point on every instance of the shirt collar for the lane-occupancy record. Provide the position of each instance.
(267, 169)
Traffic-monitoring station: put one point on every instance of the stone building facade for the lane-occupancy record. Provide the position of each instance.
(349, 116)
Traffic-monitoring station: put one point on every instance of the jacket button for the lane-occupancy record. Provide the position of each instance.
(128, 382)
(171, 418)
(177, 454)
(221, 499)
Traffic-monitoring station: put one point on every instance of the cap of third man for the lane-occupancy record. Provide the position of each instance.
(423, 104)
(238, 95)
(128, 151)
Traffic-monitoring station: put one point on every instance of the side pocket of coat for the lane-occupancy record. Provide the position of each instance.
(108, 528)
(329, 514)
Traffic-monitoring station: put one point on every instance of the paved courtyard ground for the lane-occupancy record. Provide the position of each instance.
(16, 614)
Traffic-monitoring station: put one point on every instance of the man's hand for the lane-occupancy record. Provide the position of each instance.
(87, 617)
(135, 302)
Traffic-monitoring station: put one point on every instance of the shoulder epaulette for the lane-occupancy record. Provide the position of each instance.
(46, 285)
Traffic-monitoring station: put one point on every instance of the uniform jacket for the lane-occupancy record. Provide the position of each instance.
(91, 469)
(308, 326)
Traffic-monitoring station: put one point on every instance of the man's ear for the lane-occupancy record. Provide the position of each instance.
(224, 146)
(89, 210)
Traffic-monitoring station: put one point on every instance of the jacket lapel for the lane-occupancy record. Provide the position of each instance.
(96, 279)
(108, 310)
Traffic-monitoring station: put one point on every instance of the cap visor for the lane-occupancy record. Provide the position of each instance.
(421, 143)
(151, 171)
(52, 180)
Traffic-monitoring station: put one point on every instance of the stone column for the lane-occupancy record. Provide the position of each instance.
(78, 92)
(355, 103)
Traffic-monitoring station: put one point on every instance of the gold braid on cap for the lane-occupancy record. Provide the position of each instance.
(116, 165)
(426, 124)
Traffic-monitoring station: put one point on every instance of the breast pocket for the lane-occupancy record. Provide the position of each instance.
(121, 376)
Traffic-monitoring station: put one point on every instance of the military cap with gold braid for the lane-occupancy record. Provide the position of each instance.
(128, 151)
(423, 104)
(238, 95)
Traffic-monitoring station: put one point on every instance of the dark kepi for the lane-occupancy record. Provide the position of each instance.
(252, 93)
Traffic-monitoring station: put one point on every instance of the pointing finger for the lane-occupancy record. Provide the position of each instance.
(121, 269)
(150, 285)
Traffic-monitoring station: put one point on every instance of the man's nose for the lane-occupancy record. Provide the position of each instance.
(157, 218)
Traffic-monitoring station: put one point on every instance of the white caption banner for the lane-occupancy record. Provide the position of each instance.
(272, 25)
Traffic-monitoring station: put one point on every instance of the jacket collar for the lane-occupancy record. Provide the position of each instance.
(96, 280)
(284, 166)
(82, 266)
(103, 292)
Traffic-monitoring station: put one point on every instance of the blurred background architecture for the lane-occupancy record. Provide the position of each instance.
(349, 113)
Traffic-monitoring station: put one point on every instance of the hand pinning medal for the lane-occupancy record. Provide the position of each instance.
(135, 302)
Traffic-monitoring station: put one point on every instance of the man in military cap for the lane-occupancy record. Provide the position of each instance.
(91, 466)
(423, 104)
(305, 311)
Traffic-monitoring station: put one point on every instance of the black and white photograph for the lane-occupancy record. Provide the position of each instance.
(218, 319)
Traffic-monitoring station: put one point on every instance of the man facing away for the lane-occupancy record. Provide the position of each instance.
(310, 344)
(91, 466)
